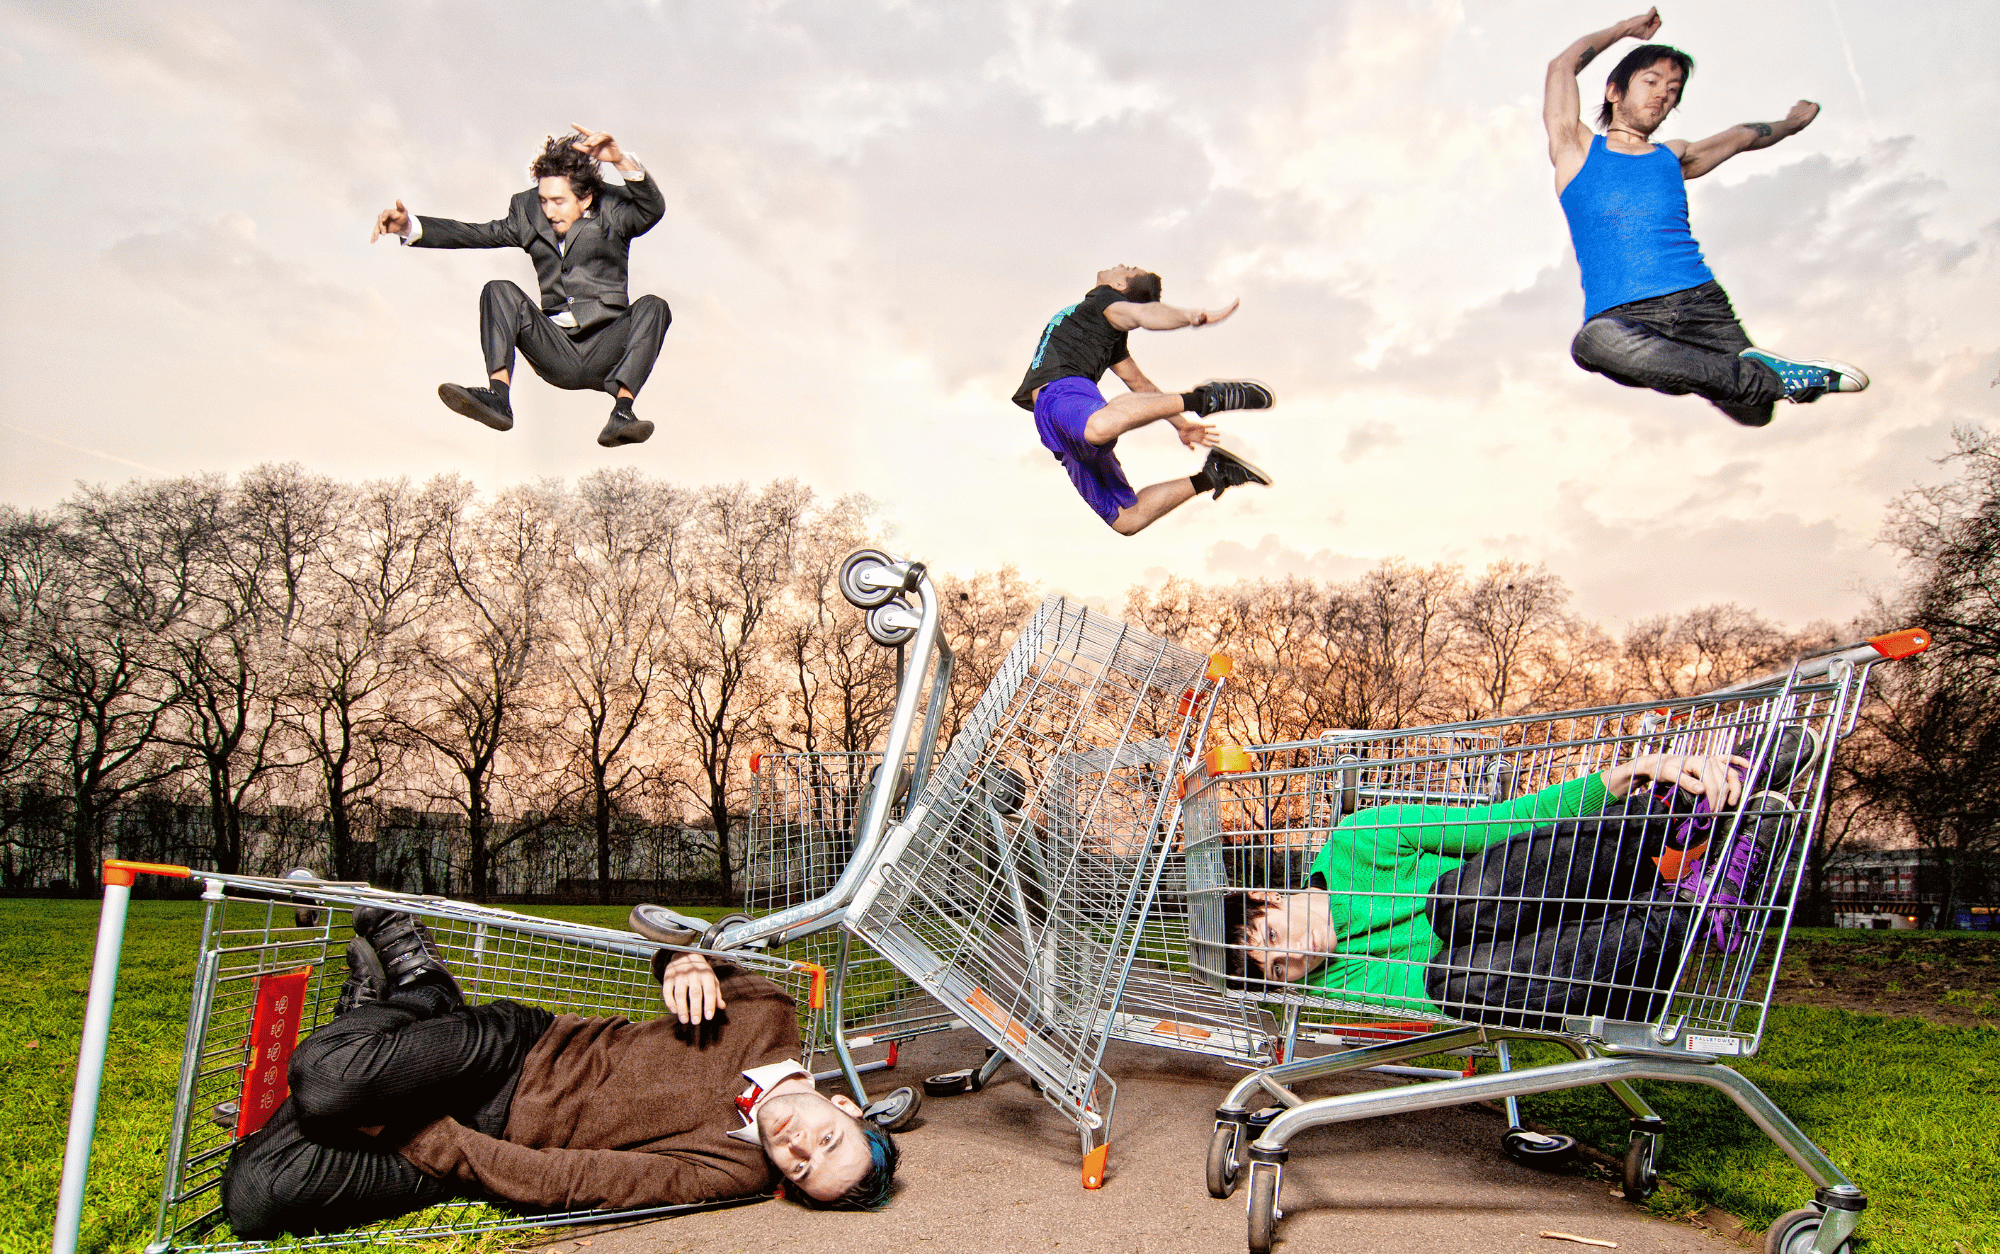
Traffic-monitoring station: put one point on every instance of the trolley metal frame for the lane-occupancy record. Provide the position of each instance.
(263, 981)
(1679, 1012)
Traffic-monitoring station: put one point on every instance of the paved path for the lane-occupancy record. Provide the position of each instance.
(999, 1171)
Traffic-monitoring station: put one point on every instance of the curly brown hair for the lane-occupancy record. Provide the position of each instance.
(560, 158)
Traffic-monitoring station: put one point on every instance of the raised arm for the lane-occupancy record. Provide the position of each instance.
(1160, 316)
(1703, 155)
(1562, 105)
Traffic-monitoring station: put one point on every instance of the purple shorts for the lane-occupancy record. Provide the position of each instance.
(1061, 410)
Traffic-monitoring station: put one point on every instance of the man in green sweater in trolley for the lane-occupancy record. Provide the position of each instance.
(1566, 901)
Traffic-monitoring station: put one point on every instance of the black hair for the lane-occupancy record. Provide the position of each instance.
(1238, 913)
(1143, 288)
(1638, 59)
(871, 1191)
(560, 158)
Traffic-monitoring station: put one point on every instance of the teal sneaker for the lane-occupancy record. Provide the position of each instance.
(1806, 379)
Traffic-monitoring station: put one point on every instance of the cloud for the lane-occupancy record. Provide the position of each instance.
(1271, 558)
(218, 269)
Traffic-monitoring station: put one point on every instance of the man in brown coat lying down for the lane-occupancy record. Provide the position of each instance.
(410, 1097)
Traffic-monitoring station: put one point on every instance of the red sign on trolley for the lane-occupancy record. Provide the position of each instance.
(274, 1033)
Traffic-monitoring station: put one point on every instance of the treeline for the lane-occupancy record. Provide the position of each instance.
(564, 682)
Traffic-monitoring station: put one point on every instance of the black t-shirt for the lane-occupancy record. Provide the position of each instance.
(1078, 343)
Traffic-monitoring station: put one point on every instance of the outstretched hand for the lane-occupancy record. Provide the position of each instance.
(1642, 27)
(391, 222)
(1209, 317)
(689, 988)
(1197, 435)
(598, 144)
(1800, 116)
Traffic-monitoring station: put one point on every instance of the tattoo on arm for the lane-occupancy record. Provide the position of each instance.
(1763, 129)
(1589, 55)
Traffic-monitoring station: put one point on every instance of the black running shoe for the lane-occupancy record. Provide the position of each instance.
(366, 980)
(1217, 395)
(408, 952)
(1796, 750)
(479, 404)
(624, 427)
(1226, 470)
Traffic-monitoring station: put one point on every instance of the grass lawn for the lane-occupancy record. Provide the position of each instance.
(1907, 1107)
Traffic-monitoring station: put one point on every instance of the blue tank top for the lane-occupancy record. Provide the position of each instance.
(1628, 218)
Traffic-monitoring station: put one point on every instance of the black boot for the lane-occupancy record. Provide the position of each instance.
(408, 952)
(488, 405)
(366, 981)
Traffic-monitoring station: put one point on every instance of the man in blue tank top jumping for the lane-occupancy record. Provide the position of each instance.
(1653, 315)
(1081, 428)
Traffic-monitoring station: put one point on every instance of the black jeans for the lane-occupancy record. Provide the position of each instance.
(1570, 919)
(1679, 343)
(618, 354)
(403, 1062)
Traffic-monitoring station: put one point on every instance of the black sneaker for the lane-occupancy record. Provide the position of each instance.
(1226, 470)
(479, 404)
(1217, 395)
(366, 980)
(407, 950)
(624, 427)
(1796, 750)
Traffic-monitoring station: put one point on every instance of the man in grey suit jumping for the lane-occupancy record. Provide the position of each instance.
(586, 333)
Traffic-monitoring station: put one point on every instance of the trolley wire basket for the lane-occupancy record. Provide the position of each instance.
(1566, 877)
(1015, 889)
(262, 982)
(805, 810)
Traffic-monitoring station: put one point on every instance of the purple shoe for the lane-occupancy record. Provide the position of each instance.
(1736, 885)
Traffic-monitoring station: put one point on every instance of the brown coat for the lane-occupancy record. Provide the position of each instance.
(610, 1113)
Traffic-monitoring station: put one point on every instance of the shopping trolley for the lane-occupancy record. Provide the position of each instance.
(805, 814)
(262, 982)
(1642, 934)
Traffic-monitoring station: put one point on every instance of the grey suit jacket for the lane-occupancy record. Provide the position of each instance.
(588, 276)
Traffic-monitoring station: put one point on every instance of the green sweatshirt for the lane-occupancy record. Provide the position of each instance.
(1379, 866)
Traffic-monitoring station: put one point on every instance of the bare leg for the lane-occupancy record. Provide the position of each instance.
(1134, 409)
(500, 376)
(1154, 503)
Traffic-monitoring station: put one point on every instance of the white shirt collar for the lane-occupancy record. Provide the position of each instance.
(762, 1081)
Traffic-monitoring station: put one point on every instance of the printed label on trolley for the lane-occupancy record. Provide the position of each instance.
(1714, 1045)
(990, 1010)
(274, 1033)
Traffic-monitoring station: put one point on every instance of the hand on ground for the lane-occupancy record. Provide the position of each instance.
(689, 988)
(391, 222)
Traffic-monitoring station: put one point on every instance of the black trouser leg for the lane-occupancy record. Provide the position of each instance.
(1681, 343)
(621, 353)
(400, 1063)
(1570, 919)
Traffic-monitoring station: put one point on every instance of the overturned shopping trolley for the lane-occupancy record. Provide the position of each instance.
(262, 982)
(1574, 895)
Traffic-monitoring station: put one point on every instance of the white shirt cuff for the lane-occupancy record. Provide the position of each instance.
(413, 232)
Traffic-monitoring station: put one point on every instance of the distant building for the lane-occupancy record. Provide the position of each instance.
(1904, 888)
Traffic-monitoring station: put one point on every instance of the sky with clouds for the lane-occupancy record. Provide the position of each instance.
(873, 208)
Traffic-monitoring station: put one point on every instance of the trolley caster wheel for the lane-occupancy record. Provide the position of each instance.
(888, 624)
(952, 1083)
(896, 1111)
(654, 923)
(1532, 1149)
(1263, 1210)
(1640, 1177)
(1795, 1231)
(859, 595)
(1223, 1169)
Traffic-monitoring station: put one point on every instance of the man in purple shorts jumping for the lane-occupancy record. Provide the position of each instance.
(1653, 314)
(1081, 428)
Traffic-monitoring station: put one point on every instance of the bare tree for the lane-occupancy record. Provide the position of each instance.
(742, 550)
(619, 579)
(363, 598)
(480, 652)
